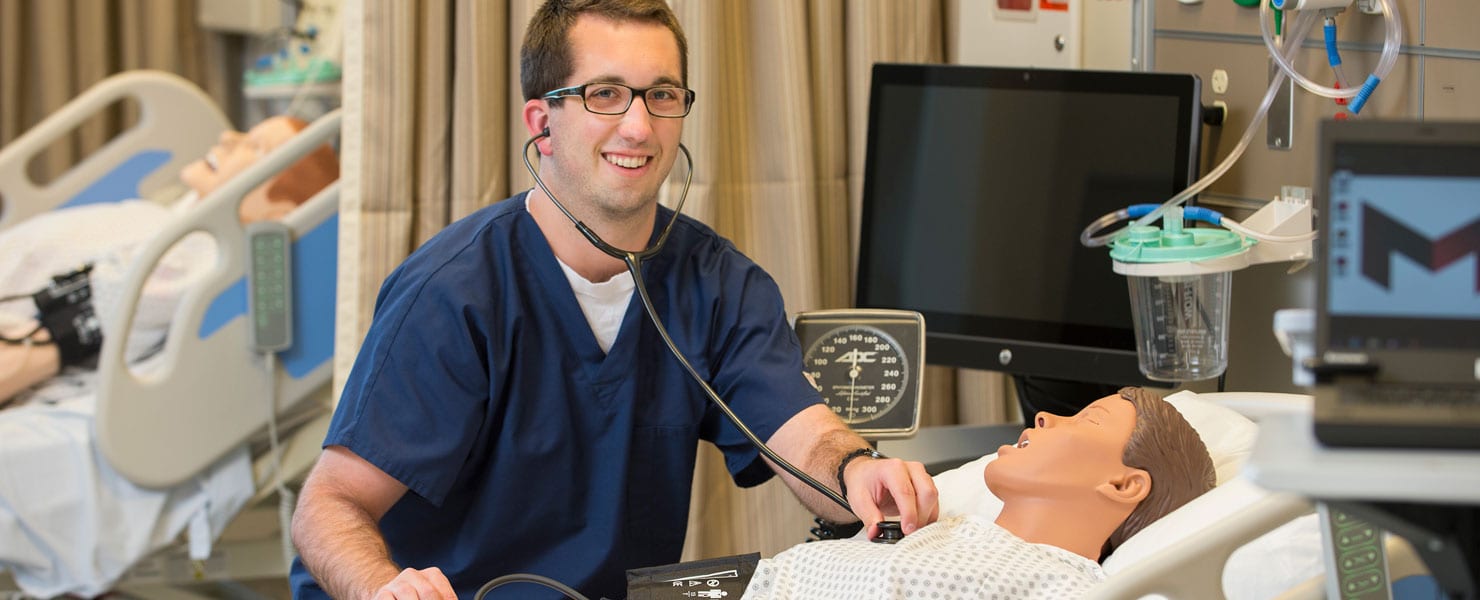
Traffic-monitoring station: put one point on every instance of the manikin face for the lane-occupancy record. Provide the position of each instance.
(610, 166)
(1065, 456)
(234, 152)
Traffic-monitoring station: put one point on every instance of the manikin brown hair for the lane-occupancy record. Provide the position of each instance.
(544, 59)
(1169, 449)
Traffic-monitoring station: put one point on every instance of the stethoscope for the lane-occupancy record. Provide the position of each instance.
(633, 260)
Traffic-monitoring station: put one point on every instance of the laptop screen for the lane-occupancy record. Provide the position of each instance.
(1400, 237)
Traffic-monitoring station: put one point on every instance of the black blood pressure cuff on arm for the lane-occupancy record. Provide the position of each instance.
(724, 577)
(65, 310)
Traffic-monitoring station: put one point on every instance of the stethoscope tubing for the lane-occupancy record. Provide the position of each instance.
(633, 260)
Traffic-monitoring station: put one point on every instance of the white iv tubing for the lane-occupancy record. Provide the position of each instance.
(1296, 36)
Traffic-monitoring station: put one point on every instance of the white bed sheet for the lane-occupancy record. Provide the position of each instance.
(69, 523)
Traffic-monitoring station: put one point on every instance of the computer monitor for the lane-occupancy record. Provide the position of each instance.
(977, 183)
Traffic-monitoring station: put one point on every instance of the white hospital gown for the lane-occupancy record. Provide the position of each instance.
(964, 557)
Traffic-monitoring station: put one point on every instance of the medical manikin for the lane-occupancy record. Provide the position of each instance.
(1073, 489)
(58, 269)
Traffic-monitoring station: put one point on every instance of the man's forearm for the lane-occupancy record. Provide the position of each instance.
(341, 546)
(820, 461)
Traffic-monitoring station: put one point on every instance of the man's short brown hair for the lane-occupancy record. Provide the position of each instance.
(545, 58)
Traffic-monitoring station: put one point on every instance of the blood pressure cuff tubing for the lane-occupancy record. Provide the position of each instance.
(724, 577)
(65, 310)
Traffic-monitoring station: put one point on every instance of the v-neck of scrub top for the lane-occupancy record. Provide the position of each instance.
(601, 367)
(604, 304)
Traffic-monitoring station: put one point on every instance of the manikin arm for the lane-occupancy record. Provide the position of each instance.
(336, 532)
(22, 366)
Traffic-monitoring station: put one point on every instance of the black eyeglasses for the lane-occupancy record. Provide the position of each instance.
(668, 101)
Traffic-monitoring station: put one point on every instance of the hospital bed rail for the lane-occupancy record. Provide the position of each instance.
(209, 376)
(228, 386)
(1195, 567)
(177, 124)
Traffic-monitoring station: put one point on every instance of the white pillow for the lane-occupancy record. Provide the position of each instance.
(1229, 438)
(1228, 435)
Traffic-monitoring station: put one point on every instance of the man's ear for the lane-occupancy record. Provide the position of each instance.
(537, 120)
(1130, 487)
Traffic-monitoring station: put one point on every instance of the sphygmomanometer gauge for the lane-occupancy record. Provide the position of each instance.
(867, 364)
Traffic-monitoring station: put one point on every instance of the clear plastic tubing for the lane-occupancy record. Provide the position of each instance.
(1298, 31)
(1333, 56)
(1392, 42)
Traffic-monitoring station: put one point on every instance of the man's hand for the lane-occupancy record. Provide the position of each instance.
(417, 584)
(889, 486)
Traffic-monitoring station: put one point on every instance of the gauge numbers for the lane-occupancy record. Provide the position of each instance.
(866, 364)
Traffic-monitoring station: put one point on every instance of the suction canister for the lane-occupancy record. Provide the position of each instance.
(1179, 296)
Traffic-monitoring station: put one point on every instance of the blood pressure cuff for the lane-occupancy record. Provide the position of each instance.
(724, 577)
(65, 309)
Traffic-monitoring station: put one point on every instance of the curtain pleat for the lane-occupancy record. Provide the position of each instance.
(430, 157)
(480, 104)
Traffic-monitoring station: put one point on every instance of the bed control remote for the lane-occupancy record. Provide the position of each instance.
(1354, 552)
(270, 285)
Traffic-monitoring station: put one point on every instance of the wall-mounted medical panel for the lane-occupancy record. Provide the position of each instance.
(1451, 88)
(1451, 24)
(1260, 173)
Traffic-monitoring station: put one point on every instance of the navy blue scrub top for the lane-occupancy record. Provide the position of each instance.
(527, 449)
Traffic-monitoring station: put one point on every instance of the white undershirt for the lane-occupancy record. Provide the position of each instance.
(604, 304)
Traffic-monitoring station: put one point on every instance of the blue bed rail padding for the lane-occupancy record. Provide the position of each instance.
(315, 262)
(122, 183)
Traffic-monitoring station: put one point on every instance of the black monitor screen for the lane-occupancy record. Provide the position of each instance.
(977, 184)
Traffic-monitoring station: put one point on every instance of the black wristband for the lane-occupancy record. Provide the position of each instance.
(843, 464)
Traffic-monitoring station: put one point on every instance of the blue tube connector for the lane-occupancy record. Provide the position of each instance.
(1366, 91)
(1196, 213)
(1206, 215)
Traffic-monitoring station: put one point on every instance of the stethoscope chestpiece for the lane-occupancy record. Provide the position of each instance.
(889, 533)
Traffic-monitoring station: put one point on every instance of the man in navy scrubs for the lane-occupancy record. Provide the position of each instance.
(513, 410)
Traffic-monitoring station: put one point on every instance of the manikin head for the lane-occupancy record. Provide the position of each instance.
(235, 151)
(602, 166)
(1089, 482)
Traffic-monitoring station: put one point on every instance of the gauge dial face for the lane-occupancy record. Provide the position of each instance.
(861, 372)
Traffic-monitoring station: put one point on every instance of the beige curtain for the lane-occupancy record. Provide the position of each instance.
(777, 136)
(52, 50)
(427, 89)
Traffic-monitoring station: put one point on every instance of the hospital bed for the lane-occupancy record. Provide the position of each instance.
(206, 396)
(1236, 541)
